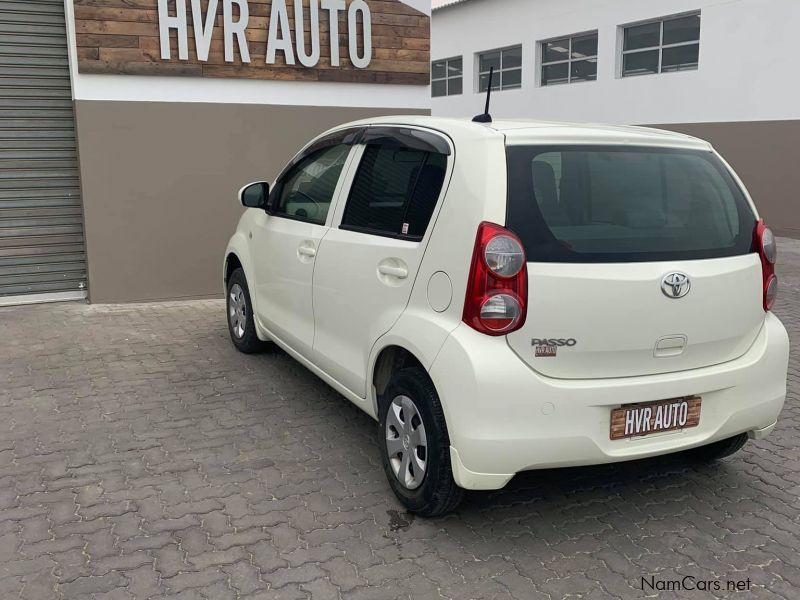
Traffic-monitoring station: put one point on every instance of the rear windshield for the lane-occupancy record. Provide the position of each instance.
(623, 204)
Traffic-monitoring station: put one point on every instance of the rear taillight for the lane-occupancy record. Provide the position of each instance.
(764, 241)
(497, 290)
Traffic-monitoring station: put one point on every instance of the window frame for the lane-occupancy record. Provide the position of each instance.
(426, 140)
(499, 72)
(660, 47)
(298, 162)
(447, 77)
(569, 60)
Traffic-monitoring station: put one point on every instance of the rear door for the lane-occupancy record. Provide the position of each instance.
(285, 242)
(639, 259)
(368, 260)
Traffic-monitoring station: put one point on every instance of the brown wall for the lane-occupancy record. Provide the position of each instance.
(765, 156)
(159, 186)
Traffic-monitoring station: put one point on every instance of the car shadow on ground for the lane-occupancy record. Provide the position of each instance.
(617, 496)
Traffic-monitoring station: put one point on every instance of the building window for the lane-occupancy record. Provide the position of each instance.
(569, 59)
(447, 77)
(507, 65)
(671, 44)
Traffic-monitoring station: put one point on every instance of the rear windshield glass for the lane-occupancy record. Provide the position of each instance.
(613, 204)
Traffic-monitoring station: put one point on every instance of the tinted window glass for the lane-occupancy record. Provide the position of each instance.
(490, 60)
(680, 58)
(307, 189)
(512, 79)
(512, 58)
(553, 74)
(395, 191)
(439, 88)
(584, 70)
(584, 46)
(611, 204)
(686, 29)
(640, 63)
(555, 51)
(642, 36)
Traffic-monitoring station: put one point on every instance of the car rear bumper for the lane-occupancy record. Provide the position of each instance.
(504, 418)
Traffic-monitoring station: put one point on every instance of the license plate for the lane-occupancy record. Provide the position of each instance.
(646, 418)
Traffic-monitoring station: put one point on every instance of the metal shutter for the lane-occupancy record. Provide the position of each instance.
(41, 221)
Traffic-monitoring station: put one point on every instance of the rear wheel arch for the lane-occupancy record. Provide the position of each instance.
(390, 360)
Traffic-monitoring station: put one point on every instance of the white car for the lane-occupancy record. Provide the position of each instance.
(510, 296)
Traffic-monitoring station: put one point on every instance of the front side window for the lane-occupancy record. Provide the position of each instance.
(306, 191)
(662, 46)
(507, 65)
(395, 191)
(569, 59)
(617, 204)
(447, 77)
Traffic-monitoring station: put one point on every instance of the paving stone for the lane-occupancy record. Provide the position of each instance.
(169, 561)
(84, 586)
(216, 558)
(244, 577)
(199, 580)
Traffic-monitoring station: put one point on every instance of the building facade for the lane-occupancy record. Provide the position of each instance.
(127, 127)
(720, 70)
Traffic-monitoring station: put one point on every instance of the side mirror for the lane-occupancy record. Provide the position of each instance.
(254, 195)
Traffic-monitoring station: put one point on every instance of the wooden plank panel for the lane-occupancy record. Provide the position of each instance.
(670, 411)
(376, 6)
(122, 36)
(107, 41)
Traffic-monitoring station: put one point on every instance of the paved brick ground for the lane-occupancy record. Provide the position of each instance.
(142, 457)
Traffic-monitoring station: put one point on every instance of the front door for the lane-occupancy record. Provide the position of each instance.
(286, 240)
(368, 260)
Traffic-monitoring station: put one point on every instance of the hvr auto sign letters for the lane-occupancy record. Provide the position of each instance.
(281, 37)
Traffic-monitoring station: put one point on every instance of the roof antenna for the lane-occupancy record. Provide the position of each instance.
(486, 117)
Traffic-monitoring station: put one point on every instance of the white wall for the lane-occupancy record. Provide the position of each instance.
(242, 91)
(747, 69)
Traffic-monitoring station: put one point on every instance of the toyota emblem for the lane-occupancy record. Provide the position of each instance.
(675, 285)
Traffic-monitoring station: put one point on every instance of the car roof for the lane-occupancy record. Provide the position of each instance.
(525, 132)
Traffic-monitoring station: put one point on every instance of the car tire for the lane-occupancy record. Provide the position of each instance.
(241, 326)
(412, 425)
(718, 450)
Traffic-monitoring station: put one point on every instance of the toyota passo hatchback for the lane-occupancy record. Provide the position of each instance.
(516, 295)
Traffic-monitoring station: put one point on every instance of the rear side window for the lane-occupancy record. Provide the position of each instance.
(395, 191)
(623, 204)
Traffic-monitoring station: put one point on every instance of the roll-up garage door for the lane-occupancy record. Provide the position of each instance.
(41, 222)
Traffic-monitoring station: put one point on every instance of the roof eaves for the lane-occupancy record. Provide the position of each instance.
(447, 4)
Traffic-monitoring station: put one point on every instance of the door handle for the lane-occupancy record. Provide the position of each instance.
(392, 271)
(307, 250)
